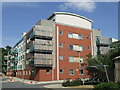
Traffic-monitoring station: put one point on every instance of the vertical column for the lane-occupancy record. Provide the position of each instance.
(92, 42)
(57, 53)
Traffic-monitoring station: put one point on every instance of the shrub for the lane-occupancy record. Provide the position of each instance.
(66, 83)
(119, 85)
(76, 82)
(106, 86)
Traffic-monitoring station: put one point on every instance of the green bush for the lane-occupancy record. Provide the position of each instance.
(106, 86)
(66, 84)
(119, 85)
(76, 82)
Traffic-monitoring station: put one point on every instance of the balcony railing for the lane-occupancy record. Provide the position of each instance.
(40, 48)
(39, 62)
(15, 58)
(5, 58)
(42, 62)
(15, 51)
(103, 41)
(41, 34)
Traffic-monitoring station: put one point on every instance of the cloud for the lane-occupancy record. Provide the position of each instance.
(85, 5)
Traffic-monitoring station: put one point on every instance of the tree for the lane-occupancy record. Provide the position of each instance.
(115, 49)
(106, 59)
(8, 48)
(3, 52)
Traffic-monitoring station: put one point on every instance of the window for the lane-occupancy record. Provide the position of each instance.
(29, 72)
(61, 45)
(80, 36)
(71, 72)
(71, 59)
(88, 37)
(89, 47)
(61, 57)
(70, 35)
(26, 72)
(23, 72)
(60, 32)
(75, 36)
(71, 47)
(81, 72)
(20, 73)
(23, 56)
(81, 60)
(61, 70)
(48, 71)
(80, 48)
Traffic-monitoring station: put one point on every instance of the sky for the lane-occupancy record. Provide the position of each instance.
(18, 17)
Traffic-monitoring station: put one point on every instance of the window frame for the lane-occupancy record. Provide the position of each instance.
(60, 44)
(62, 71)
(72, 72)
(80, 72)
(60, 57)
(79, 36)
(89, 48)
(70, 47)
(70, 35)
(82, 59)
(60, 32)
(71, 60)
(48, 71)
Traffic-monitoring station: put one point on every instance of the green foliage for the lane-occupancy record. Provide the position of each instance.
(115, 49)
(106, 86)
(106, 59)
(76, 82)
(66, 84)
(100, 60)
(3, 52)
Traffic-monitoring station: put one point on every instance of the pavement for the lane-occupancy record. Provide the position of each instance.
(15, 79)
(54, 86)
(18, 83)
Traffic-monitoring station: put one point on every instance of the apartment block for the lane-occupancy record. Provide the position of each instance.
(54, 49)
(101, 44)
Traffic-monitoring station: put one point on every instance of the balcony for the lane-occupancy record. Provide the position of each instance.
(103, 41)
(42, 60)
(40, 48)
(40, 63)
(15, 51)
(5, 58)
(42, 34)
(31, 62)
(15, 58)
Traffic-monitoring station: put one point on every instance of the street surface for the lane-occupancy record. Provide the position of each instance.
(7, 84)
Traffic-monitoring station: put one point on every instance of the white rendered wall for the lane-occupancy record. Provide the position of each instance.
(73, 20)
(114, 40)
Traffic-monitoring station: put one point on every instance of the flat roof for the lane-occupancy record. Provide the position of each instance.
(72, 14)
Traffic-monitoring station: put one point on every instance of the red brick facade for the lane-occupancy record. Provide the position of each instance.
(65, 52)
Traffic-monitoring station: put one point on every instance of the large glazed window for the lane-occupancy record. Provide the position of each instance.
(75, 36)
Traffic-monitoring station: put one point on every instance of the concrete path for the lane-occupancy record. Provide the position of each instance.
(54, 86)
(15, 79)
